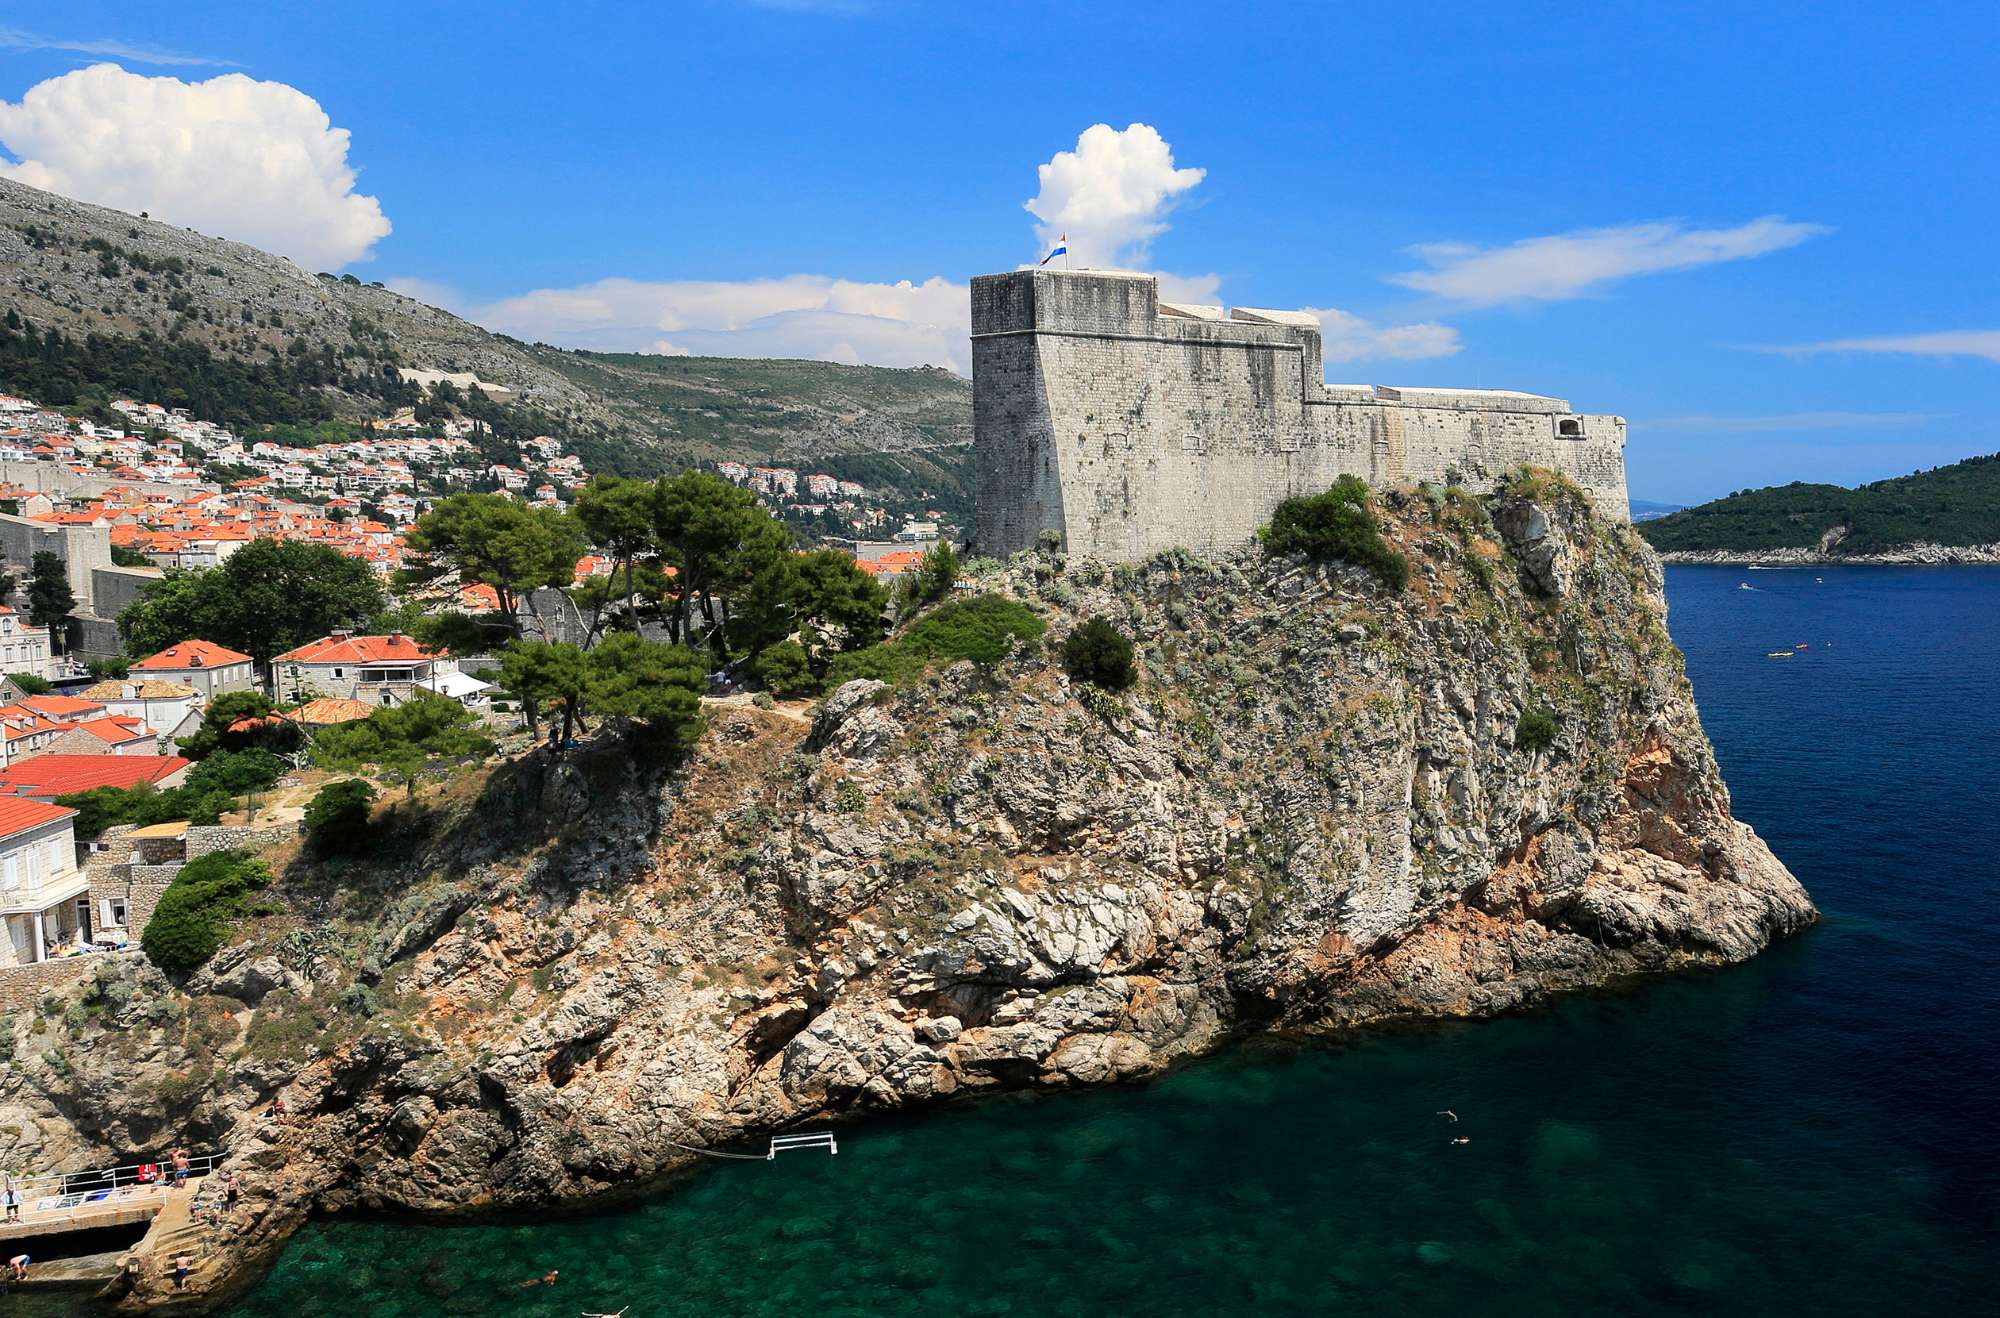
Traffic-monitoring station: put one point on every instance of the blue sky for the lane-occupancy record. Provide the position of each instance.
(1627, 210)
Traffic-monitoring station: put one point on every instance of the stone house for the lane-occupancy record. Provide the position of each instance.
(211, 669)
(380, 670)
(44, 898)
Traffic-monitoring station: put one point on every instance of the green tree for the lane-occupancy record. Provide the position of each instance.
(839, 607)
(543, 674)
(931, 580)
(424, 736)
(50, 600)
(495, 541)
(194, 914)
(269, 597)
(31, 684)
(231, 707)
(723, 548)
(658, 685)
(1098, 653)
(617, 515)
(785, 669)
(336, 819)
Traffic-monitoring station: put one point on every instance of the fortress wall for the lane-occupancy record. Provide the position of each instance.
(1128, 431)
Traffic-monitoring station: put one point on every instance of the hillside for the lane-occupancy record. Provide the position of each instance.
(243, 338)
(1954, 507)
(1321, 805)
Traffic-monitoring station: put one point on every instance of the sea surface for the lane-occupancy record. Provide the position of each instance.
(1812, 1133)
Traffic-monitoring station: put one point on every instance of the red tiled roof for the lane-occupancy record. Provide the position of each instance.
(18, 815)
(115, 728)
(358, 650)
(59, 775)
(61, 707)
(191, 654)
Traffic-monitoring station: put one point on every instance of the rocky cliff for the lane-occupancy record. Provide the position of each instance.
(1323, 805)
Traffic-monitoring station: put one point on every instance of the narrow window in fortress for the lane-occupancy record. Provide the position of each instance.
(1193, 443)
(1570, 429)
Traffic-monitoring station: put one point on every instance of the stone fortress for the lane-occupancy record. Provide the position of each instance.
(1127, 425)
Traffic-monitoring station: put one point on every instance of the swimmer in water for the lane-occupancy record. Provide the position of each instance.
(1462, 1140)
(548, 1280)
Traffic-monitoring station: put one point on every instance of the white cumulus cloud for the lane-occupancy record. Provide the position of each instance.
(813, 316)
(1110, 195)
(1351, 338)
(256, 161)
(1941, 343)
(1570, 265)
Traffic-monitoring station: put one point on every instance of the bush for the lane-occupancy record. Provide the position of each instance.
(336, 819)
(1537, 730)
(884, 663)
(30, 684)
(102, 807)
(981, 629)
(193, 917)
(1337, 525)
(1098, 653)
(785, 669)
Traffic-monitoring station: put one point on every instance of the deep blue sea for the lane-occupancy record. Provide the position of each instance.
(1813, 1133)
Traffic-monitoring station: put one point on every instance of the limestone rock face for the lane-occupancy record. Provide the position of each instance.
(1311, 813)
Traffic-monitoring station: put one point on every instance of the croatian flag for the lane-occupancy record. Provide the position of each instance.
(1061, 249)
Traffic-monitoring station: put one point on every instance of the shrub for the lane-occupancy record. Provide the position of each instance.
(31, 684)
(981, 629)
(194, 913)
(336, 819)
(1536, 731)
(885, 663)
(1337, 525)
(784, 669)
(1098, 653)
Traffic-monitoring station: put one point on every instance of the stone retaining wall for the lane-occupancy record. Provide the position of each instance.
(205, 838)
(21, 987)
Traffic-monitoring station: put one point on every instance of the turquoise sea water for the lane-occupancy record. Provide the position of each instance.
(1810, 1133)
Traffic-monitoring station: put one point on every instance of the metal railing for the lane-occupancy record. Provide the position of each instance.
(67, 1195)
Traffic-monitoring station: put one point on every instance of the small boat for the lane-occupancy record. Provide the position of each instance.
(1744, 585)
(1819, 581)
(1802, 645)
(1777, 654)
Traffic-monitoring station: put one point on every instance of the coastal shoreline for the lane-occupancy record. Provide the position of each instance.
(1922, 555)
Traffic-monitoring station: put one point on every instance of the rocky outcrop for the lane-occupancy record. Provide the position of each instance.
(1318, 809)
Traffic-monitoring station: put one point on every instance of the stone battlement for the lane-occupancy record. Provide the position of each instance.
(1128, 425)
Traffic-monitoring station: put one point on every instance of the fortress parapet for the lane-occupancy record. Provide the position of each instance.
(1128, 425)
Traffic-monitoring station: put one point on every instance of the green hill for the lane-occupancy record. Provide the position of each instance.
(96, 304)
(1955, 505)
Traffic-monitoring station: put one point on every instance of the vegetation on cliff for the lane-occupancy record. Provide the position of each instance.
(1956, 505)
(1337, 526)
(1318, 803)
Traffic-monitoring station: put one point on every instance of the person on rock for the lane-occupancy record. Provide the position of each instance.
(17, 1267)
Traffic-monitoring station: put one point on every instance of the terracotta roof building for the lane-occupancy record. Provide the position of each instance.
(210, 669)
(379, 670)
(50, 776)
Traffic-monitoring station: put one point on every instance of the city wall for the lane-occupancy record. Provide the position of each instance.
(1126, 425)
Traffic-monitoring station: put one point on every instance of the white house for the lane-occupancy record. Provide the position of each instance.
(44, 897)
(211, 669)
(171, 709)
(23, 649)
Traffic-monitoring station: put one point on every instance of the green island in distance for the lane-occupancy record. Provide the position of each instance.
(1957, 505)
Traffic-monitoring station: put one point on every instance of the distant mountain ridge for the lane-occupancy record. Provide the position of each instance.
(1945, 514)
(142, 306)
